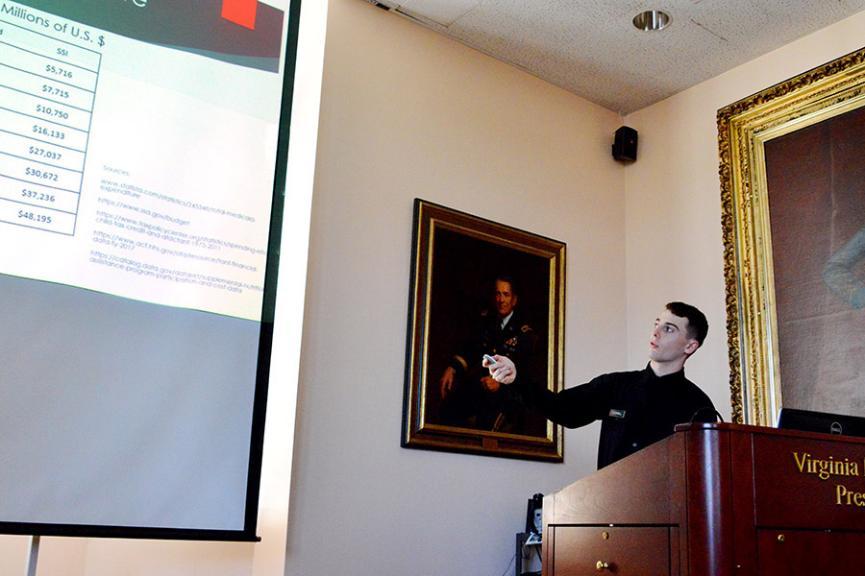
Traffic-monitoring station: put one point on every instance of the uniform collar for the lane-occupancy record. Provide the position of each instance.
(673, 377)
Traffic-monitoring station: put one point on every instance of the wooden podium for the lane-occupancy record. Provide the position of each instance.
(716, 500)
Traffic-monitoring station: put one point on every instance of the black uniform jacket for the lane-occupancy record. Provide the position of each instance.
(636, 408)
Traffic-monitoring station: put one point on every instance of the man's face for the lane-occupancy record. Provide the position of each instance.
(670, 340)
(506, 300)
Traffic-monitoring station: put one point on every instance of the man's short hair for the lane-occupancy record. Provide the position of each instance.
(698, 326)
(510, 280)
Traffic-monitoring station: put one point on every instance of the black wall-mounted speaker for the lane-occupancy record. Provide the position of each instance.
(625, 144)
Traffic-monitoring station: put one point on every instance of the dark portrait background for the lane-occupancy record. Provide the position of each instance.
(463, 285)
(816, 188)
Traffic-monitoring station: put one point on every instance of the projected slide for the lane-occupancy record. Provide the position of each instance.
(140, 167)
(138, 153)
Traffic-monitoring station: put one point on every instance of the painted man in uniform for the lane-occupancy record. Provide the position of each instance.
(470, 396)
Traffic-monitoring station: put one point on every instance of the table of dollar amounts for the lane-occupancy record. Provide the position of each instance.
(47, 88)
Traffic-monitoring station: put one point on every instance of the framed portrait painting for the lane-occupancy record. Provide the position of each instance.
(793, 195)
(479, 287)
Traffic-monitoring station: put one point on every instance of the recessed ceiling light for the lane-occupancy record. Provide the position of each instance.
(652, 20)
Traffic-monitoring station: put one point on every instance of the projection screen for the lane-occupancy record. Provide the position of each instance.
(141, 144)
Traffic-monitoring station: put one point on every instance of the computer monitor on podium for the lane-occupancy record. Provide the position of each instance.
(810, 421)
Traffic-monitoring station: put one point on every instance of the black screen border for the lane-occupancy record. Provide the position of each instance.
(249, 533)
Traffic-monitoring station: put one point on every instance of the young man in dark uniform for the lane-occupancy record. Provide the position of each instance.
(636, 408)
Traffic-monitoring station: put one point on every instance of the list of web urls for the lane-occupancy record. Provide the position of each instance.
(47, 89)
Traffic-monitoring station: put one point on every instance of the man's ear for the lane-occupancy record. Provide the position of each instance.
(691, 346)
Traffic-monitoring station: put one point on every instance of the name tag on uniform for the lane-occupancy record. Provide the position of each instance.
(616, 413)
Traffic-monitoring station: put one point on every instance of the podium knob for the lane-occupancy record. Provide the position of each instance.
(601, 566)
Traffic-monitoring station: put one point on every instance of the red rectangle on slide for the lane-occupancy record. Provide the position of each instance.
(240, 12)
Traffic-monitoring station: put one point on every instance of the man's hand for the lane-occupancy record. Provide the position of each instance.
(503, 371)
(446, 383)
(490, 385)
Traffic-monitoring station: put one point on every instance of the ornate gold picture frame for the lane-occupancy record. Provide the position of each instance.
(793, 198)
(479, 287)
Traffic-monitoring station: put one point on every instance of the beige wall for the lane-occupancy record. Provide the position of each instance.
(407, 113)
(674, 244)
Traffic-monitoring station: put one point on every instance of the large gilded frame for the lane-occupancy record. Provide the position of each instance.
(743, 129)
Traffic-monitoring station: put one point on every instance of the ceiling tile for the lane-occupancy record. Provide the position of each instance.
(443, 12)
(591, 48)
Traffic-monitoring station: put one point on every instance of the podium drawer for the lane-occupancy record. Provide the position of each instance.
(806, 553)
(624, 551)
